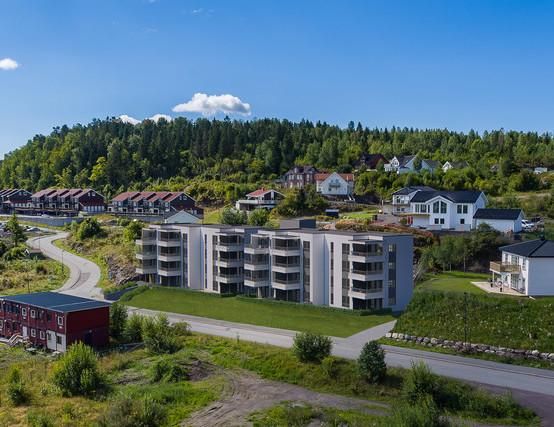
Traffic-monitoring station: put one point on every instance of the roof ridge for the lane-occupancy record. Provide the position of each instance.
(542, 242)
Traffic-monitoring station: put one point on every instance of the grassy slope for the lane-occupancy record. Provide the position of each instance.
(284, 316)
(492, 319)
(212, 216)
(17, 277)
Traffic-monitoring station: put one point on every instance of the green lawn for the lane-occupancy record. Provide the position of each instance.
(295, 317)
(359, 215)
(454, 281)
(212, 216)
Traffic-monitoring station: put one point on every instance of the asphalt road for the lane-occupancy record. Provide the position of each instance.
(533, 387)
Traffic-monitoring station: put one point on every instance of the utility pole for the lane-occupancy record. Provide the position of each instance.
(465, 317)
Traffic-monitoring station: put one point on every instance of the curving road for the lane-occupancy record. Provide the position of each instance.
(531, 386)
(84, 275)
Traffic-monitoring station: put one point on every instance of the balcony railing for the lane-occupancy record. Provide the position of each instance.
(286, 264)
(170, 268)
(366, 254)
(503, 267)
(366, 272)
(366, 290)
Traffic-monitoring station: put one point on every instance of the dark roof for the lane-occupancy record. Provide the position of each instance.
(55, 301)
(532, 249)
(409, 190)
(432, 163)
(371, 160)
(403, 160)
(464, 196)
(507, 214)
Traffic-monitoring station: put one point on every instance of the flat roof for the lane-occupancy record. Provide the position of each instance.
(56, 301)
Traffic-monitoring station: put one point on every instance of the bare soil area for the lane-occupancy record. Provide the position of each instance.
(246, 393)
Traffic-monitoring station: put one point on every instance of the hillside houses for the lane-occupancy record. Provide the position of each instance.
(335, 184)
(66, 201)
(14, 198)
(262, 198)
(299, 176)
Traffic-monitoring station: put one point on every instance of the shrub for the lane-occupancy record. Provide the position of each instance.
(167, 370)
(133, 230)
(423, 414)
(331, 366)
(371, 363)
(76, 372)
(159, 337)
(90, 227)
(133, 328)
(118, 319)
(40, 419)
(127, 412)
(17, 391)
(420, 383)
(310, 347)
(233, 217)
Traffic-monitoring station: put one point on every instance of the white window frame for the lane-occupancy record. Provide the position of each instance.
(33, 332)
(33, 314)
(24, 312)
(59, 320)
(42, 335)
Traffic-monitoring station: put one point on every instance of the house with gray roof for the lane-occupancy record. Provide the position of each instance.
(526, 267)
(503, 220)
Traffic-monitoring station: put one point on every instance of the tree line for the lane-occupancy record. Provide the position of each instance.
(219, 159)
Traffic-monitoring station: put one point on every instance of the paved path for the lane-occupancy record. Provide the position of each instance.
(534, 386)
(84, 275)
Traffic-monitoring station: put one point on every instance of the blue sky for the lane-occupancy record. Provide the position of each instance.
(461, 65)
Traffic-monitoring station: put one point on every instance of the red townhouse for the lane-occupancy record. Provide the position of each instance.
(154, 203)
(54, 321)
(14, 198)
(67, 201)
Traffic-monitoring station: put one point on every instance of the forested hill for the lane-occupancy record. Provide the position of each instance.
(110, 156)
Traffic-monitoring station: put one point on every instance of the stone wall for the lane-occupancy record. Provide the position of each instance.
(464, 347)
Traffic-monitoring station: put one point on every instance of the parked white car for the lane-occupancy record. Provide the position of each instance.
(527, 225)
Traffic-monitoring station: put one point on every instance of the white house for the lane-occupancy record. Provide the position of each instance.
(503, 220)
(454, 165)
(526, 267)
(401, 164)
(260, 199)
(335, 184)
(445, 210)
(401, 198)
(182, 217)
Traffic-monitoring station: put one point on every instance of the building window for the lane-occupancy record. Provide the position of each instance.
(24, 312)
(33, 333)
(436, 206)
(33, 314)
(436, 220)
(1, 325)
(41, 335)
(462, 221)
(58, 340)
(443, 207)
(442, 220)
(60, 320)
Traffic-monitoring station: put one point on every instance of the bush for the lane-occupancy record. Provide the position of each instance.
(159, 337)
(127, 412)
(167, 370)
(118, 319)
(423, 414)
(233, 217)
(40, 419)
(331, 367)
(76, 372)
(258, 217)
(133, 328)
(420, 383)
(310, 347)
(371, 362)
(90, 227)
(17, 391)
(133, 230)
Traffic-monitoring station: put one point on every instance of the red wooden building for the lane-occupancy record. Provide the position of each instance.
(55, 321)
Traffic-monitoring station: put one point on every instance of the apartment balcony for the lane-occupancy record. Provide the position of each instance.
(229, 247)
(146, 255)
(256, 250)
(169, 257)
(169, 243)
(229, 278)
(256, 282)
(365, 275)
(504, 267)
(286, 285)
(229, 262)
(169, 271)
(256, 265)
(146, 269)
(365, 293)
(283, 267)
(145, 241)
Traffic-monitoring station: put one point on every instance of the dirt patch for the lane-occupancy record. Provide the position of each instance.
(198, 370)
(246, 393)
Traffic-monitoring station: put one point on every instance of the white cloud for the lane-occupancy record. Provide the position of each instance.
(128, 119)
(158, 117)
(209, 105)
(8, 64)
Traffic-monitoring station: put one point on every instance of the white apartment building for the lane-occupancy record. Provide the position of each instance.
(526, 267)
(341, 269)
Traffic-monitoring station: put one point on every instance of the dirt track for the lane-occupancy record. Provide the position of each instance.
(246, 393)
